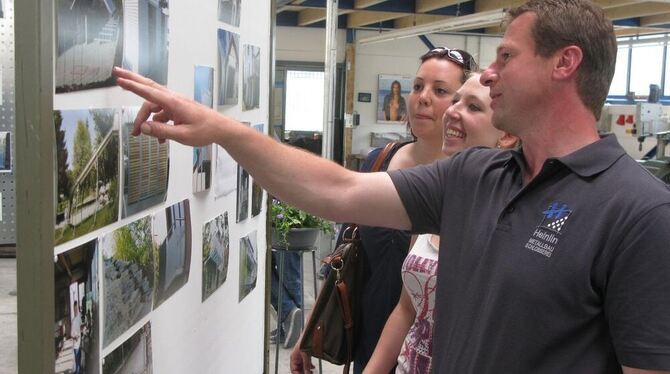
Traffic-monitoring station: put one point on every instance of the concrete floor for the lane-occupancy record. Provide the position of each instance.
(8, 338)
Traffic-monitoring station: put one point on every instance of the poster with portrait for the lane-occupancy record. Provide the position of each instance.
(392, 98)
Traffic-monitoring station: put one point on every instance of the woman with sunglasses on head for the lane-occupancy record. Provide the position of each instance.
(407, 336)
(441, 73)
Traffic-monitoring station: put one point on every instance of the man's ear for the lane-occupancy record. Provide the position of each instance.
(508, 141)
(567, 61)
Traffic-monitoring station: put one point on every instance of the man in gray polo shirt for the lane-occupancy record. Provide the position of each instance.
(554, 259)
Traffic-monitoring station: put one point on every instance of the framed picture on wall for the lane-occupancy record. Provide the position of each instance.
(392, 98)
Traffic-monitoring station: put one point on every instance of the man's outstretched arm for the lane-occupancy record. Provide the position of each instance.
(302, 179)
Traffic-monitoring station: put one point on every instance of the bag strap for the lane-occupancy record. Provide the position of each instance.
(382, 156)
(345, 309)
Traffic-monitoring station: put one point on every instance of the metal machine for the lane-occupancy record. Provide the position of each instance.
(650, 120)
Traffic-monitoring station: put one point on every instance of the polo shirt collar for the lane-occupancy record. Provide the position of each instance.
(586, 161)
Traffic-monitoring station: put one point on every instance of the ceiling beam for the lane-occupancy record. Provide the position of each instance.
(638, 10)
(362, 4)
(362, 18)
(633, 31)
(310, 16)
(417, 19)
(658, 19)
(423, 6)
(485, 5)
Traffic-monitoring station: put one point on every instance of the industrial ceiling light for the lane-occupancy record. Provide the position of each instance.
(461, 23)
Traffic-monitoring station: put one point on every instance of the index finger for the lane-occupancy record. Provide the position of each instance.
(130, 75)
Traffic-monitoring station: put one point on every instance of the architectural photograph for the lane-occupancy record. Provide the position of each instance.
(146, 166)
(202, 168)
(242, 194)
(87, 164)
(128, 284)
(172, 248)
(203, 85)
(134, 356)
(229, 60)
(229, 11)
(5, 151)
(145, 38)
(225, 177)
(251, 77)
(215, 253)
(77, 295)
(248, 264)
(89, 43)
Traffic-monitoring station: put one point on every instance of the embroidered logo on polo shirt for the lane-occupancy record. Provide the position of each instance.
(545, 237)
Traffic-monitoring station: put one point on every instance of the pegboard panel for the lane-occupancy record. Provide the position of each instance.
(7, 121)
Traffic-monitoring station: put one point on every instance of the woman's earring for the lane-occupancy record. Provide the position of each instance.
(498, 144)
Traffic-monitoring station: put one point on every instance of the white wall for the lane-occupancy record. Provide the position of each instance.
(220, 335)
(306, 44)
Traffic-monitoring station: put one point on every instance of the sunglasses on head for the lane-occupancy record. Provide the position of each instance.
(458, 56)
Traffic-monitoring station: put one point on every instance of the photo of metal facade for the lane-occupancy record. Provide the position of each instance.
(89, 43)
(145, 168)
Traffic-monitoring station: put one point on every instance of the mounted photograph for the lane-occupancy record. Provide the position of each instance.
(202, 168)
(226, 173)
(251, 77)
(146, 167)
(392, 98)
(5, 151)
(87, 164)
(77, 317)
(229, 60)
(248, 264)
(134, 356)
(242, 194)
(128, 284)
(145, 38)
(229, 11)
(172, 247)
(203, 85)
(89, 43)
(215, 253)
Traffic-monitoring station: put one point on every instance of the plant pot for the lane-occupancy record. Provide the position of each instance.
(298, 239)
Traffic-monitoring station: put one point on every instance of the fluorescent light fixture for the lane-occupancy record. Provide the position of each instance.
(468, 22)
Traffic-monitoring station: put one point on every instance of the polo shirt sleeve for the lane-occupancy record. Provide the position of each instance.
(421, 190)
(637, 294)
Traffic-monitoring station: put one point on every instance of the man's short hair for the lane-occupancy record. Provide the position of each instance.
(582, 23)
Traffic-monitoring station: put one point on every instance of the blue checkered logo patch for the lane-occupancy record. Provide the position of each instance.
(555, 216)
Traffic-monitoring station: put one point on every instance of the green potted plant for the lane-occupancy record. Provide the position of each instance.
(293, 228)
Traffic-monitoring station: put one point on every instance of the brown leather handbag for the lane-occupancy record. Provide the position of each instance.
(330, 331)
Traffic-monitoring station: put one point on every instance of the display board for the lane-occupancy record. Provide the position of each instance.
(158, 248)
(7, 120)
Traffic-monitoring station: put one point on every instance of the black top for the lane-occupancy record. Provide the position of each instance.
(385, 251)
(567, 274)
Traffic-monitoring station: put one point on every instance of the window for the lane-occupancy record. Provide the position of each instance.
(646, 67)
(641, 61)
(304, 100)
(620, 80)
